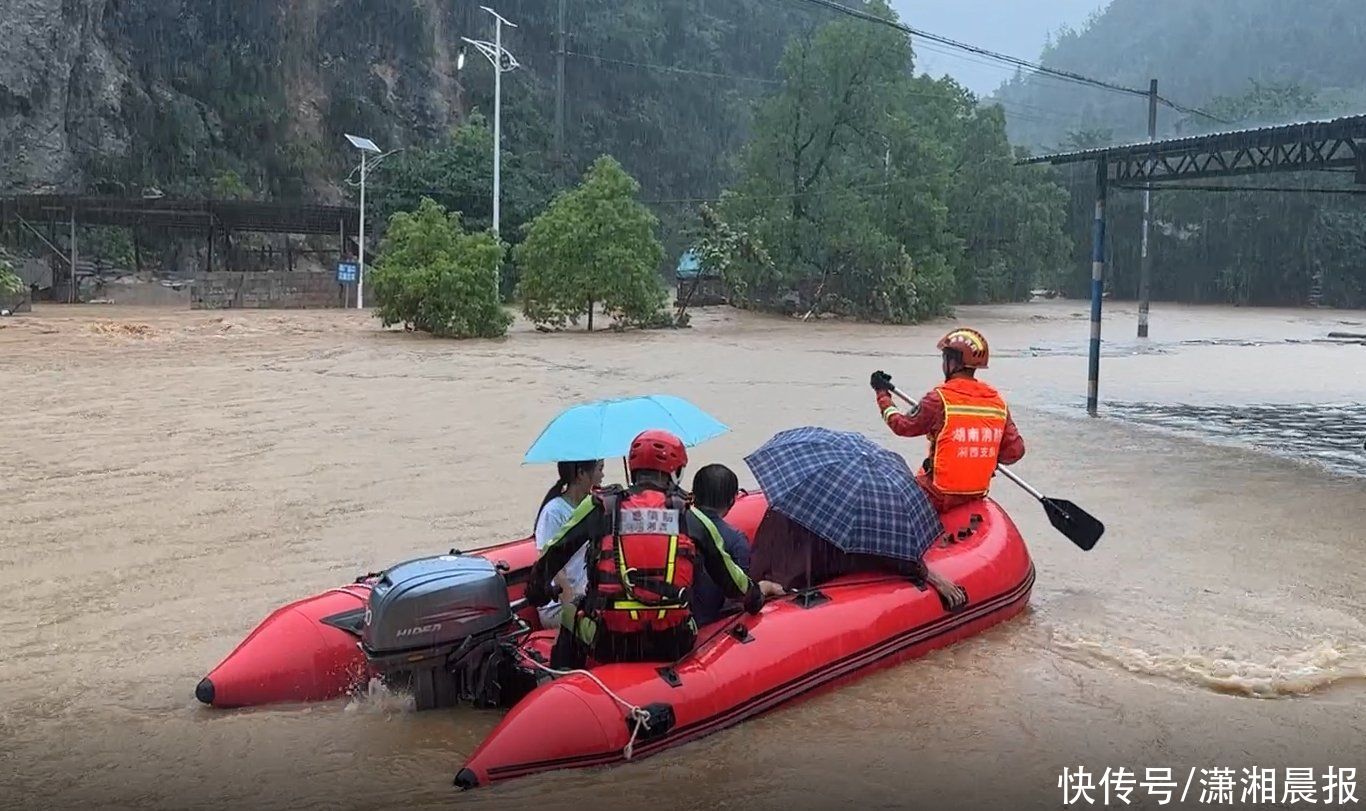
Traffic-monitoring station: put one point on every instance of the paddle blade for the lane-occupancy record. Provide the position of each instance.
(1080, 527)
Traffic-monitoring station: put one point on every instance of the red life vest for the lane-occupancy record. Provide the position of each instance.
(639, 575)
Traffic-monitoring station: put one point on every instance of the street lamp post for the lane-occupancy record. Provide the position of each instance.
(502, 62)
(366, 146)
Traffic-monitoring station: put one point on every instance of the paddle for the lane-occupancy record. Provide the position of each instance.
(1080, 527)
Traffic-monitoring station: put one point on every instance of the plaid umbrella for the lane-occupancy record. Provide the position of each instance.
(848, 490)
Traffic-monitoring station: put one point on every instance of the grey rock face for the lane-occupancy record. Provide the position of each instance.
(86, 85)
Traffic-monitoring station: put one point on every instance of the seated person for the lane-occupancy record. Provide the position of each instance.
(788, 556)
(644, 545)
(576, 481)
(714, 489)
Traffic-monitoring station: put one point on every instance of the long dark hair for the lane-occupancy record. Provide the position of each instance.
(568, 471)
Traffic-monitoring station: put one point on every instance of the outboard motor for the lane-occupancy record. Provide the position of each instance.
(442, 628)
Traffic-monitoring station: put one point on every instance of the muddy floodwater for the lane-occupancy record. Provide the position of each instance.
(169, 477)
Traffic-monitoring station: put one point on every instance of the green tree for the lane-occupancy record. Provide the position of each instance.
(228, 185)
(843, 187)
(594, 246)
(722, 248)
(457, 172)
(1012, 219)
(435, 277)
(10, 283)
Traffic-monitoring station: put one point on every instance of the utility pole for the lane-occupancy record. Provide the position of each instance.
(497, 118)
(360, 265)
(1145, 271)
(502, 62)
(366, 146)
(559, 94)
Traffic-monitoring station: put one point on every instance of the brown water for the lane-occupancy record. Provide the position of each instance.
(169, 477)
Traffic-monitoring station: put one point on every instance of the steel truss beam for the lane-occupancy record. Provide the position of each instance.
(1314, 155)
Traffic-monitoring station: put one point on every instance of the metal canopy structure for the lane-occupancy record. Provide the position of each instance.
(1338, 145)
(214, 219)
(1310, 146)
(190, 215)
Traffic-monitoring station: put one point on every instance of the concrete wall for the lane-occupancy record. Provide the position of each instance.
(268, 290)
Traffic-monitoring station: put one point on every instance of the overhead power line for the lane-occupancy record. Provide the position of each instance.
(1011, 60)
(672, 68)
(1009, 106)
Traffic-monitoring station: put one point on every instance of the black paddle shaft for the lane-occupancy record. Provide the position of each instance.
(1080, 527)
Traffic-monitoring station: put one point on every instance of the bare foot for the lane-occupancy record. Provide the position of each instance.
(952, 593)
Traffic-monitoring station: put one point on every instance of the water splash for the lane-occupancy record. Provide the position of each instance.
(380, 699)
(1281, 676)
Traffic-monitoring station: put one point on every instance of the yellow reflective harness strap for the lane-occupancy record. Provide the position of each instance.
(627, 605)
(888, 413)
(669, 565)
(979, 411)
(742, 582)
(633, 609)
(671, 559)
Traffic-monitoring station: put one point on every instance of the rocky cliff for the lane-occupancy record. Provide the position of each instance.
(235, 97)
(117, 95)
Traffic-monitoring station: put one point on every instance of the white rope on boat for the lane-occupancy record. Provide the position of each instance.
(633, 712)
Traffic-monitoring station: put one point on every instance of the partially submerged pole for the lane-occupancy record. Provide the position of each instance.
(360, 241)
(1145, 273)
(71, 291)
(1097, 283)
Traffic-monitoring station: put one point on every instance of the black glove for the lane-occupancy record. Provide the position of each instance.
(881, 381)
(754, 599)
(538, 594)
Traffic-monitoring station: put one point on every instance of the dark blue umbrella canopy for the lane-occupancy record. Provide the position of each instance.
(848, 490)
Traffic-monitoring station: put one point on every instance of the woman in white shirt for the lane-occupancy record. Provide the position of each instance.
(577, 480)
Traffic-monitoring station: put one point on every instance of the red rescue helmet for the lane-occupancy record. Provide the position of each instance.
(657, 450)
(970, 344)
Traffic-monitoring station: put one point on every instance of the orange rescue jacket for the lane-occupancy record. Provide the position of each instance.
(963, 454)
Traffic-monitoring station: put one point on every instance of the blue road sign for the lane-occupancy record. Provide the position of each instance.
(346, 272)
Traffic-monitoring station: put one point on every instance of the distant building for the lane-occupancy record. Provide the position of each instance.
(695, 287)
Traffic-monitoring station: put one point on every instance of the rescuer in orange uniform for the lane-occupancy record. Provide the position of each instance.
(967, 421)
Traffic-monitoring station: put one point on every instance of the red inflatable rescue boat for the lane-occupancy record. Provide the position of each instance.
(435, 626)
(309, 650)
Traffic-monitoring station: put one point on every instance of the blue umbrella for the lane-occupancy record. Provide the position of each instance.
(605, 428)
(848, 490)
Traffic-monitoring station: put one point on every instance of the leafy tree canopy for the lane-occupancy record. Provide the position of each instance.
(435, 277)
(594, 246)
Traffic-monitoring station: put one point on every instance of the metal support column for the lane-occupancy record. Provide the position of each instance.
(341, 257)
(1097, 284)
(559, 95)
(71, 291)
(1145, 273)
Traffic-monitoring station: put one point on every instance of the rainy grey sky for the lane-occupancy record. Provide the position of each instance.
(1014, 27)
